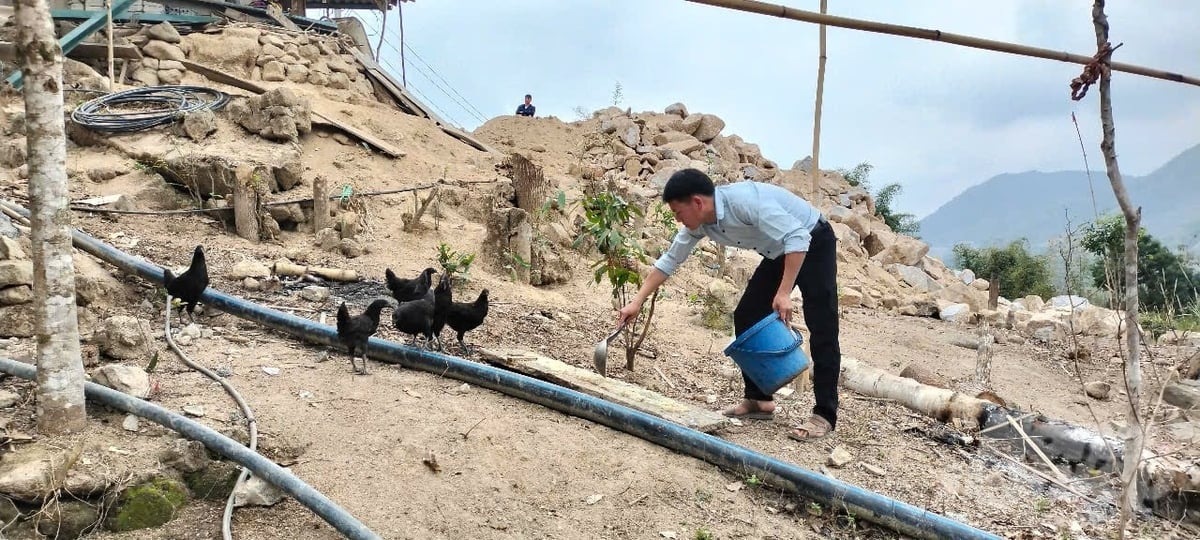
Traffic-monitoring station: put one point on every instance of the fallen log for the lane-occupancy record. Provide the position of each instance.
(938, 403)
(1167, 486)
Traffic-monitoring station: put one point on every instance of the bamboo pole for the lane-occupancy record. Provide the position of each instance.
(784, 12)
(815, 171)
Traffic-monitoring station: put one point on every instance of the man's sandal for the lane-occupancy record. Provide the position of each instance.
(812, 429)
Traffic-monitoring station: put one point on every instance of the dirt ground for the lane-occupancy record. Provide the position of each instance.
(511, 469)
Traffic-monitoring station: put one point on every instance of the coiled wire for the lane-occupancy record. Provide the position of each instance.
(142, 108)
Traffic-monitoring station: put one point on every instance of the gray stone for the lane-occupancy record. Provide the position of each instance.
(256, 492)
(124, 337)
(16, 272)
(165, 32)
(122, 378)
(163, 50)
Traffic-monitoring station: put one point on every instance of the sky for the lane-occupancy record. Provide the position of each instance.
(934, 117)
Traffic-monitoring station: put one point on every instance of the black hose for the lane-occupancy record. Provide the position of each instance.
(861, 503)
(142, 108)
(262, 467)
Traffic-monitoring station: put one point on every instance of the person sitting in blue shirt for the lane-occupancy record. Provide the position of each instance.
(527, 108)
(798, 247)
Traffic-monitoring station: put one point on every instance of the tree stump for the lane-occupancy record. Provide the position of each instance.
(320, 204)
(247, 203)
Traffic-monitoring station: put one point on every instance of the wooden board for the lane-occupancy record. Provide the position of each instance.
(318, 119)
(8, 51)
(614, 390)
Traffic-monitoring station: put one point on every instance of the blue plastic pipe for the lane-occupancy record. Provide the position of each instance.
(262, 467)
(861, 503)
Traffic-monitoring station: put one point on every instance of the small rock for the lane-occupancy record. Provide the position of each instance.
(20, 294)
(122, 378)
(164, 31)
(256, 492)
(877, 471)
(840, 457)
(1097, 390)
(16, 272)
(130, 423)
(200, 124)
(248, 268)
(710, 398)
(163, 50)
(11, 249)
(271, 371)
(8, 399)
(192, 330)
(315, 293)
(350, 248)
(185, 455)
(464, 388)
(250, 284)
(194, 410)
(735, 487)
(593, 499)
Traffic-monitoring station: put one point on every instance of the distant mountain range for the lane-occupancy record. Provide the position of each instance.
(1036, 205)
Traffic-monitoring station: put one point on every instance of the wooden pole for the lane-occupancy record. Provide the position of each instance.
(109, 30)
(403, 69)
(1133, 217)
(994, 292)
(816, 151)
(320, 204)
(784, 12)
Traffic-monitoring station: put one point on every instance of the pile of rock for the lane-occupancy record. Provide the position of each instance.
(256, 53)
(646, 148)
(94, 286)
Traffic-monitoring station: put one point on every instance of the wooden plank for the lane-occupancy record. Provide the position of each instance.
(83, 15)
(614, 390)
(8, 51)
(318, 119)
(322, 120)
(99, 201)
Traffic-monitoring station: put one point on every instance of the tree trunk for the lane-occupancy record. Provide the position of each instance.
(815, 173)
(60, 403)
(1133, 375)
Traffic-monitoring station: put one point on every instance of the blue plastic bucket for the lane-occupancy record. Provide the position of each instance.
(769, 353)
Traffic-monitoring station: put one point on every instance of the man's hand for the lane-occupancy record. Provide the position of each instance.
(783, 306)
(630, 311)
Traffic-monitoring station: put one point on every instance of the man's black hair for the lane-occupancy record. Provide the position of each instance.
(687, 182)
(528, 96)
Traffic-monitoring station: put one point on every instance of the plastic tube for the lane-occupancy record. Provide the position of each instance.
(262, 467)
(861, 503)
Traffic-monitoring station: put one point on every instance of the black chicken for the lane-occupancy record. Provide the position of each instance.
(421, 316)
(188, 286)
(415, 317)
(407, 290)
(463, 317)
(354, 331)
(443, 298)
